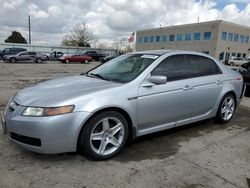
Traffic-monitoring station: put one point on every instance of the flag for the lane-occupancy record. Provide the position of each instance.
(131, 38)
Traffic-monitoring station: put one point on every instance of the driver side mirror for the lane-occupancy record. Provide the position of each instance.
(158, 79)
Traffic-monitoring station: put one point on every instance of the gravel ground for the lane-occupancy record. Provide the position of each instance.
(202, 154)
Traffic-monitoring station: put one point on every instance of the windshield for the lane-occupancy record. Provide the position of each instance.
(124, 68)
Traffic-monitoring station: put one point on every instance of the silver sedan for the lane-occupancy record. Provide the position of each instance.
(133, 95)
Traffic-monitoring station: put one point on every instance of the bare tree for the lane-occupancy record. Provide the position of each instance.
(79, 36)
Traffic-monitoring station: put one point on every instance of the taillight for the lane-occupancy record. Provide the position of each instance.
(238, 78)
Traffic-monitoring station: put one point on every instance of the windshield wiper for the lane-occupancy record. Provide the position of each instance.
(97, 76)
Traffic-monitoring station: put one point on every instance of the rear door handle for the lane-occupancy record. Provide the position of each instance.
(187, 87)
(218, 82)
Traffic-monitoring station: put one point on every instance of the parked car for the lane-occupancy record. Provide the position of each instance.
(107, 58)
(10, 51)
(237, 61)
(55, 55)
(75, 58)
(25, 57)
(95, 56)
(244, 70)
(135, 94)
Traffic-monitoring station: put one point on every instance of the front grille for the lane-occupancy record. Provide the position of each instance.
(25, 139)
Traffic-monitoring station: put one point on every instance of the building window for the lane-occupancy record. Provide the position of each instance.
(179, 37)
(230, 36)
(164, 38)
(233, 54)
(221, 56)
(224, 36)
(207, 36)
(151, 39)
(188, 36)
(197, 36)
(171, 37)
(246, 39)
(158, 38)
(145, 39)
(242, 37)
(244, 55)
(238, 54)
(140, 40)
(236, 37)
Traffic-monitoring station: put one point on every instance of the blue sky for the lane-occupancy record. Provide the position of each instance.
(241, 4)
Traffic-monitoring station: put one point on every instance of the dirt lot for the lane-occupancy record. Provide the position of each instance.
(203, 154)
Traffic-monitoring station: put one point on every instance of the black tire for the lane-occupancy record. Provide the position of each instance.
(85, 145)
(12, 60)
(38, 60)
(219, 116)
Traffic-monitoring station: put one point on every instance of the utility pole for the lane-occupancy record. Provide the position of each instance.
(29, 29)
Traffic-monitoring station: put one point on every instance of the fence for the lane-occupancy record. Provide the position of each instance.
(64, 49)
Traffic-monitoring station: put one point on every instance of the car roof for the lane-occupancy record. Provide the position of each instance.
(153, 52)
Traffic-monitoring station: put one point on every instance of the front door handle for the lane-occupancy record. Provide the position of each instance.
(187, 87)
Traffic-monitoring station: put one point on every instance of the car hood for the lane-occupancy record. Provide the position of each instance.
(61, 89)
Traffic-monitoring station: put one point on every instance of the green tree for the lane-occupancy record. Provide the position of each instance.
(16, 37)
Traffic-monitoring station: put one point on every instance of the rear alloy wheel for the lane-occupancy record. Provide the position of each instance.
(12, 60)
(67, 61)
(231, 63)
(104, 136)
(226, 109)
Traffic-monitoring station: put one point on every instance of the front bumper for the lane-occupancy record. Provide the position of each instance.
(56, 134)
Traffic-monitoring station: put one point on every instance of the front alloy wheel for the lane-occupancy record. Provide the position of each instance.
(104, 135)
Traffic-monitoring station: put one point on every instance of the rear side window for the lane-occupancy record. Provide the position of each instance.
(32, 53)
(202, 66)
(174, 67)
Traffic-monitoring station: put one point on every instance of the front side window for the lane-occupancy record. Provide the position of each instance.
(202, 66)
(197, 36)
(179, 37)
(173, 67)
(188, 36)
(207, 36)
(124, 68)
(171, 37)
(23, 53)
(6, 50)
(224, 36)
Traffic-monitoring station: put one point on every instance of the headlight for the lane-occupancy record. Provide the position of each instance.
(51, 111)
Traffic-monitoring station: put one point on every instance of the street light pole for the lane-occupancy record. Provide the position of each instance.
(29, 29)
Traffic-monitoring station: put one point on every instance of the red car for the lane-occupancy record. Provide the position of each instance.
(75, 58)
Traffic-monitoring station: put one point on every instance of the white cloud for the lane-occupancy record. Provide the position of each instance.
(109, 19)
